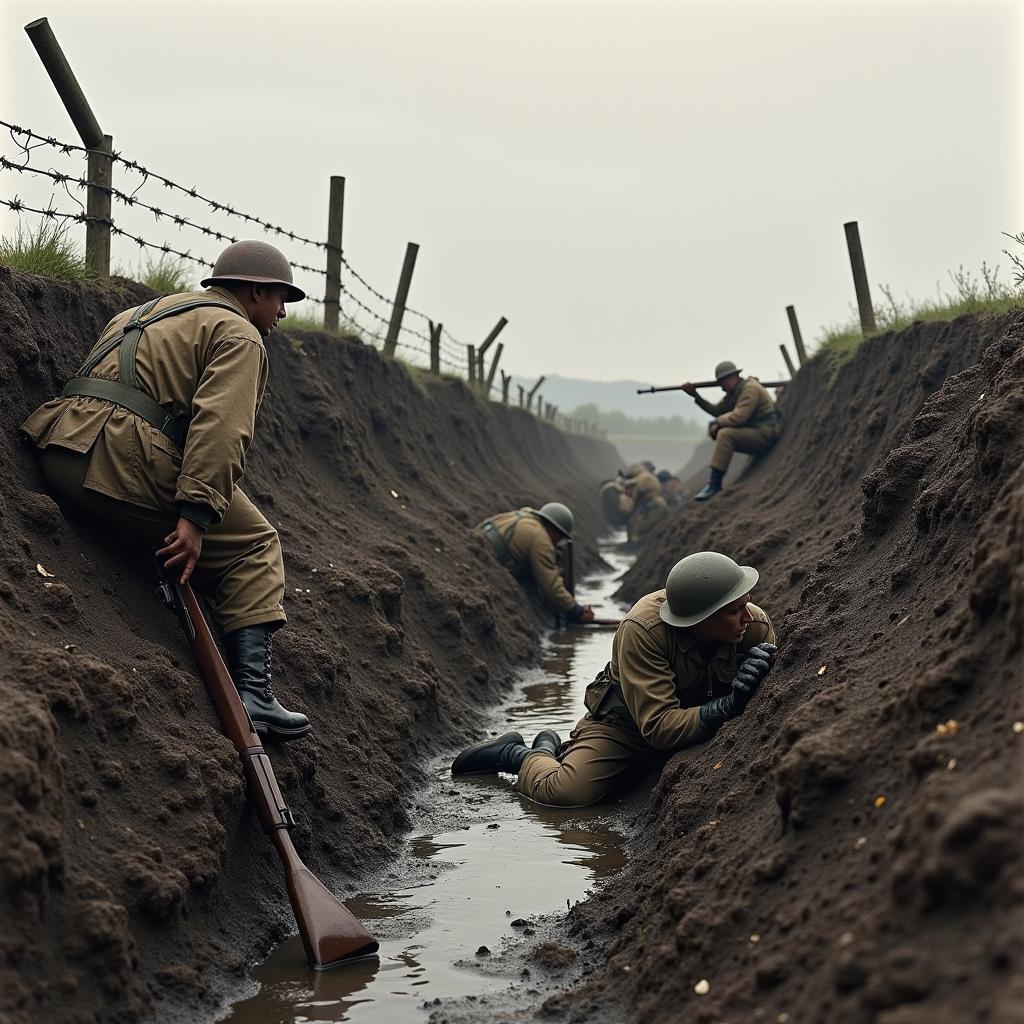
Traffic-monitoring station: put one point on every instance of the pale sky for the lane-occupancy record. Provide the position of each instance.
(641, 188)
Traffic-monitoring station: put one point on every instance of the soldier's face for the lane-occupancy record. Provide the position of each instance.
(728, 383)
(267, 307)
(727, 625)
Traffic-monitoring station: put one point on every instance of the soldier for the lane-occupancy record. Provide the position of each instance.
(643, 501)
(150, 437)
(685, 660)
(671, 487)
(746, 420)
(524, 542)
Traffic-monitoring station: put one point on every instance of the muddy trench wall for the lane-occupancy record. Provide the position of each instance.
(134, 877)
(850, 849)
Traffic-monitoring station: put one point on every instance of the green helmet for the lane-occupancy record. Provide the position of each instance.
(726, 369)
(700, 584)
(558, 515)
(648, 465)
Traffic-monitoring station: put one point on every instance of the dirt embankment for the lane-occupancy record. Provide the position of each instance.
(133, 875)
(851, 849)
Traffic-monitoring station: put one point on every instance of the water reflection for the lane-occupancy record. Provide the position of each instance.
(481, 858)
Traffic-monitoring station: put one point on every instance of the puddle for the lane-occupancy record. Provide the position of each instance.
(479, 858)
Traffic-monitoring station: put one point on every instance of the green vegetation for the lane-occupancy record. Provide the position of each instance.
(45, 250)
(167, 275)
(619, 425)
(970, 294)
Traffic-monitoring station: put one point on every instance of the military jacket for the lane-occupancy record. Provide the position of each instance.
(747, 405)
(658, 678)
(208, 364)
(531, 555)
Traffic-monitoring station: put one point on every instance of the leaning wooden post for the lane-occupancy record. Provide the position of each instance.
(798, 340)
(532, 392)
(506, 380)
(335, 222)
(485, 345)
(494, 368)
(789, 362)
(860, 277)
(471, 360)
(100, 146)
(435, 347)
(398, 309)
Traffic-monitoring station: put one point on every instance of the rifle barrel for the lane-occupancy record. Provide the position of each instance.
(330, 932)
(706, 384)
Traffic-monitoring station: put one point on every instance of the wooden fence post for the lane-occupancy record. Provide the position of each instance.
(522, 395)
(532, 392)
(435, 347)
(398, 309)
(860, 277)
(471, 360)
(789, 362)
(506, 380)
(486, 344)
(335, 222)
(494, 368)
(99, 172)
(798, 341)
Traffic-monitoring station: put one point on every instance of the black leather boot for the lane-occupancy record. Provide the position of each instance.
(549, 741)
(504, 753)
(712, 487)
(249, 662)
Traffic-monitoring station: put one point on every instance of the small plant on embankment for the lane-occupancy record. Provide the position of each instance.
(970, 294)
(45, 250)
(167, 275)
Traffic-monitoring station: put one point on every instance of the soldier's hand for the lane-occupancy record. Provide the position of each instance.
(587, 615)
(713, 429)
(690, 389)
(182, 547)
(756, 665)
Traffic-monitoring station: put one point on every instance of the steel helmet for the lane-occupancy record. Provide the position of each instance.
(259, 262)
(648, 465)
(700, 584)
(636, 469)
(558, 515)
(726, 369)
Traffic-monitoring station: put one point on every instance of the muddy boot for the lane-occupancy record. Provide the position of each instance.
(549, 741)
(504, 753)
(249, 661)
(712, 487)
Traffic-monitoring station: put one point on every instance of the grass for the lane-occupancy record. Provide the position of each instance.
(45, 250)
(970, 293)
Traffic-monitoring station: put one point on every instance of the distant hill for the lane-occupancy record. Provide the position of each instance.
(569, 392)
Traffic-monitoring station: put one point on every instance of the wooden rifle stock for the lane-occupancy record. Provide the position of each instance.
(330, 933)
(706, 384)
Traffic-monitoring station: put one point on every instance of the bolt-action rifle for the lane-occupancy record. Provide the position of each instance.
(566, 554)
(330, 933)
(707, 384)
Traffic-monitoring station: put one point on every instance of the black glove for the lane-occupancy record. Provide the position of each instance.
(757, 664)
(575, 613)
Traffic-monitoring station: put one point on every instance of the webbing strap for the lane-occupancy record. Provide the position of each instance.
(131, 399)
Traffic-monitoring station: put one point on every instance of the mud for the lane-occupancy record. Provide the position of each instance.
(851, 849)
(135, 881)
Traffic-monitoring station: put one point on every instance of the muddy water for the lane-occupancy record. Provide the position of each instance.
(481, 863)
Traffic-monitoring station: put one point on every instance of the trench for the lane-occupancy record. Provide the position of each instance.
(480, 867)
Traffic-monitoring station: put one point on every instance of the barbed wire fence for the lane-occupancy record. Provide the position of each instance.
(56, 174)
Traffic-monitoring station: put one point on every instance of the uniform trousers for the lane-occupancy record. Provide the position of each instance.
(751, 440)
(240, 565)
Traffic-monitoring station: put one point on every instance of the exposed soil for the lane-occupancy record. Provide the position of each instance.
(851, 849)
(134, 877)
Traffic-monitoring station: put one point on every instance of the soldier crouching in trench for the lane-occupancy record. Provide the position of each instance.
(685, 660)
(524, 541)
(149, 439)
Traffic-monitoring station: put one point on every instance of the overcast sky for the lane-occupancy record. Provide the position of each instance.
(641, 188)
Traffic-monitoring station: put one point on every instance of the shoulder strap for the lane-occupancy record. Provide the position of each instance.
(113, 341)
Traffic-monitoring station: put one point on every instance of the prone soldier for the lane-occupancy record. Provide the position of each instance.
(685, 660)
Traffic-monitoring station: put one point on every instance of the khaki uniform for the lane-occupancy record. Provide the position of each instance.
(642, 707)
(525, 549)
(210, 366)
(645, 505)
(747, 419)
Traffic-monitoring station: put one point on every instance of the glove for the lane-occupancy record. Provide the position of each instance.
(757, 664)
(580, 613)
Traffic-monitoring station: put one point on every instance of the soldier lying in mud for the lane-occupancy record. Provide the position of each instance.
(685, 660)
